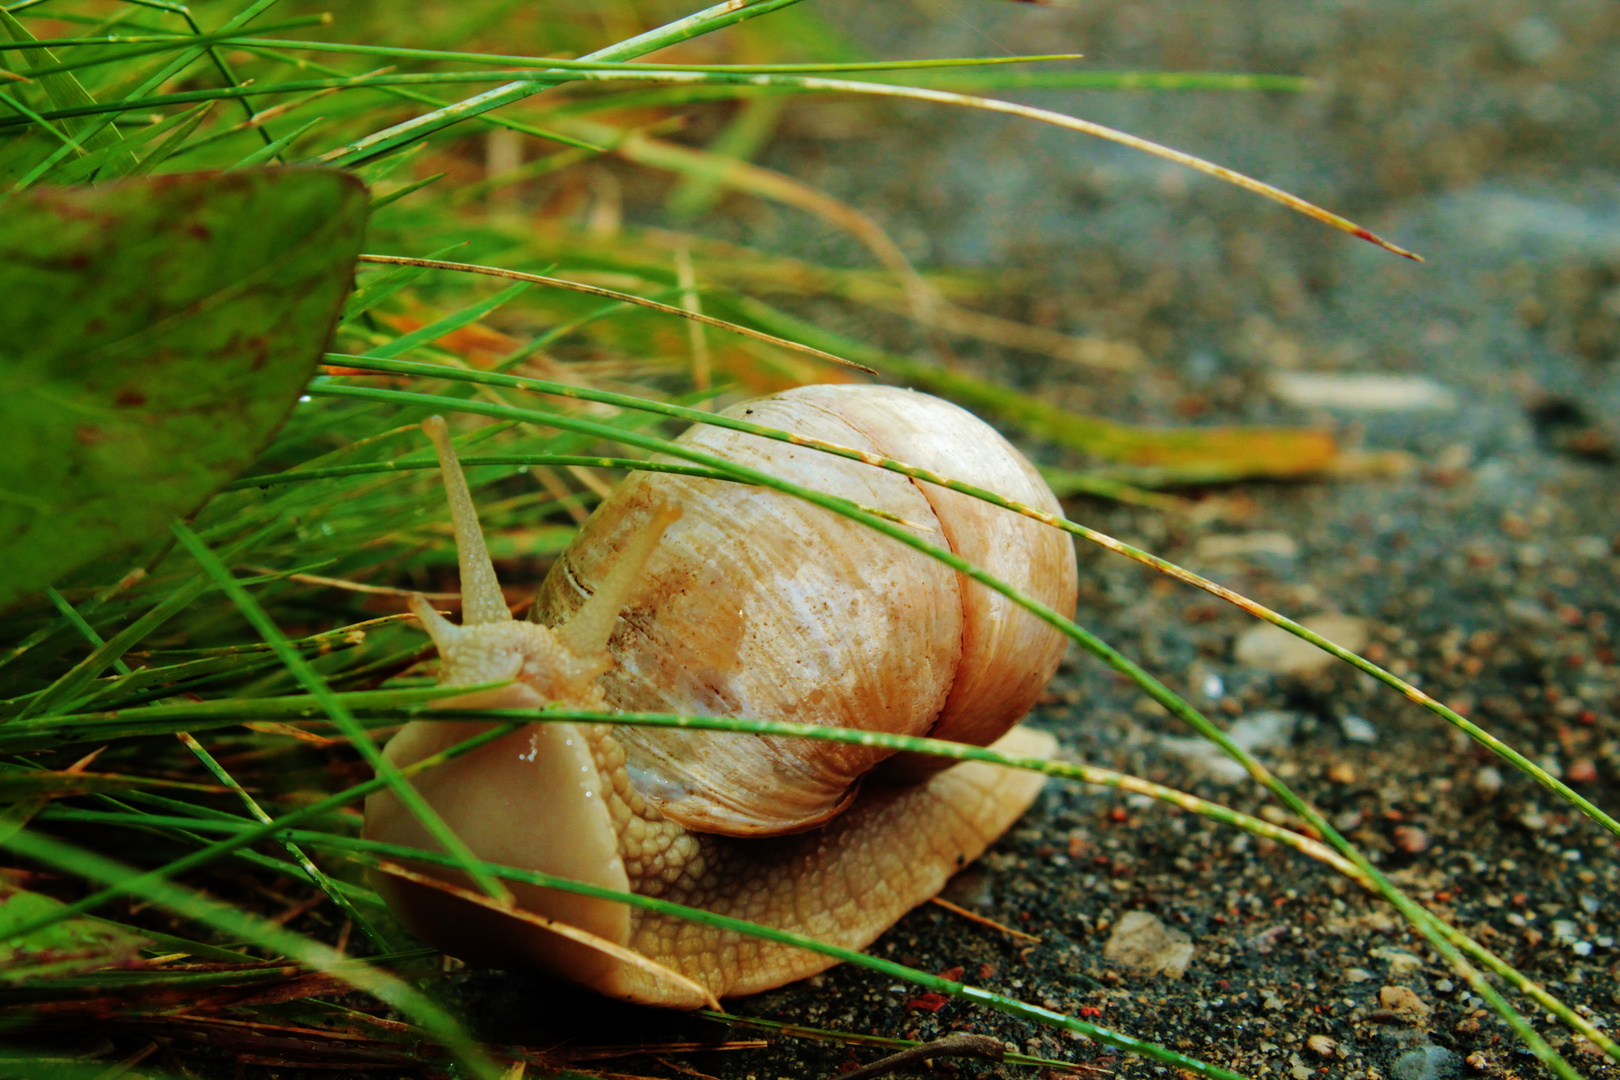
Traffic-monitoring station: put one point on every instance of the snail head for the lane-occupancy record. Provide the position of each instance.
(550, 665)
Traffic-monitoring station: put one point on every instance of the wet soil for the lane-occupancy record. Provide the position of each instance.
(1480, 134)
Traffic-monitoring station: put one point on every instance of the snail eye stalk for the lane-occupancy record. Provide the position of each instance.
(481, 599)
(587, 633)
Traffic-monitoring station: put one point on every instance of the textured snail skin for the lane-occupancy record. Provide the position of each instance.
(843, 884)
(751, 604)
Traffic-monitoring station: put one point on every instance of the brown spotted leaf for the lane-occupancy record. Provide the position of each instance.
(153, 336)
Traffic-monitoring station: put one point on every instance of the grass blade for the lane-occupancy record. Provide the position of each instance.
(65, 92)
(337, 711)
(238, 924)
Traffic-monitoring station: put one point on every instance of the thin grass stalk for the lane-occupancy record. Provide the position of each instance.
(280, 56)
(1180, 573)
(313, 872)
(22, 647)
(548, 63)
(253, 834)
(274, 147)
(179, 64)
(182, 831)
(156, 45)
(612, 294)
(78, 678)
(85, 630)
(233, 921)
(719, 16)
(366, 705)
(803, 83)
(1086, 127)
(1172, 702)
(316, 686)
(410, 464)
(224, 68)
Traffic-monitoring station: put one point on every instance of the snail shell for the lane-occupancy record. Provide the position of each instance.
(760, 604)
(754, 603)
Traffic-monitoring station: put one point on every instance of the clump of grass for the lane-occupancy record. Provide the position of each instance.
(185, 737)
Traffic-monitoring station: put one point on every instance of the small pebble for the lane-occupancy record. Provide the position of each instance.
(1487, 781)
(1581, 771)
(1534, 39)
(1400, 999)
(1401, 963)
(1591, 547)
(1425, 1063)
(1144, 945)
(1277, 544)
(1358, 730)
(1362, 392)
(1274, 649)
(1321, 1045)
(1411, 839)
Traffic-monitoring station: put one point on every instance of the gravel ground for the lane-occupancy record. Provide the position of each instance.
(1481, 134)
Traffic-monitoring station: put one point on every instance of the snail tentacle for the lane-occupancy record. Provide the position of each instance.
(481, 599)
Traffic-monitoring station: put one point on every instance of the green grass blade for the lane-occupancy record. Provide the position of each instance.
(313, 872)
(717, 17)
(176, 129)
(453, 322)
(471, 461)
(619, 297)
(426, 99)
(597, 63)
(313, 684)
(53, 68)
(270, 150)
(1160, 693)
(414, 186)
(379, 288)
(77, 679)
(240, 924)
(85, 630)
(65, 91)
(251, 834)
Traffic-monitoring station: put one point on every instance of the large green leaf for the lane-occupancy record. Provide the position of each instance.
(153, 335)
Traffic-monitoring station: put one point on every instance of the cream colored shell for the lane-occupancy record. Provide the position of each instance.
(760, 604)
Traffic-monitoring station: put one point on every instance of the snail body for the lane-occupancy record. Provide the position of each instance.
(699, 596)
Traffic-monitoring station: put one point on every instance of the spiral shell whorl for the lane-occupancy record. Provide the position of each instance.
(759, 604)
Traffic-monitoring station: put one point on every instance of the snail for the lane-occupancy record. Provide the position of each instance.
(700, 596)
